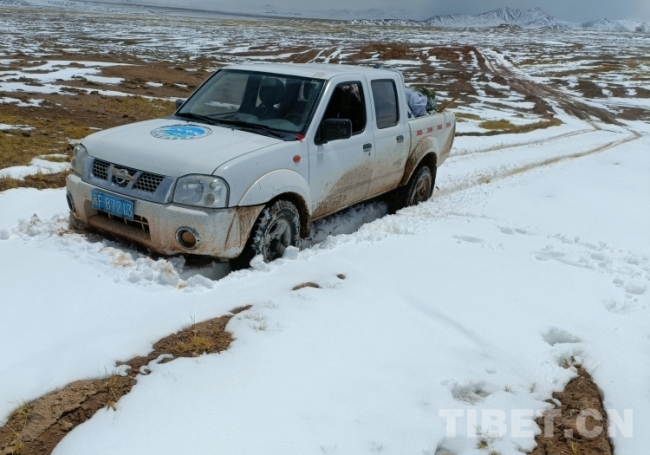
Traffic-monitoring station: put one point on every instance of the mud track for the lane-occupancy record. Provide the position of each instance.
(520, 82)
(550, 95)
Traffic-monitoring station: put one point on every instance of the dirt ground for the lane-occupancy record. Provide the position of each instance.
(562, 436)
(35, 428)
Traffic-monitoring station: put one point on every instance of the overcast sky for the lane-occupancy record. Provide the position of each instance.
(570, 10)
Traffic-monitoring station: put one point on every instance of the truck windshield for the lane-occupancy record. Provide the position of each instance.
(253, 99)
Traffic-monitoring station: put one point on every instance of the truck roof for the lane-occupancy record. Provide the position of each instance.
(311, 70)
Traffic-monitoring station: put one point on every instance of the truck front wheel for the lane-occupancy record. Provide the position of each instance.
(276, 229)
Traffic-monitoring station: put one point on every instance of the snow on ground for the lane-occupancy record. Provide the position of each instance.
(36, 166)
(46, 80)
(461, 304)
(534, 249)
(6, 127)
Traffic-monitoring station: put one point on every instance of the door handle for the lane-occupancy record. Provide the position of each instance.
(400, 139)
(367, 148)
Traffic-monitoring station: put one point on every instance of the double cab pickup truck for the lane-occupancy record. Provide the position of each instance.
(254, 156)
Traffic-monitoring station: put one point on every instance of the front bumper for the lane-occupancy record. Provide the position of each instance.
(223, 232)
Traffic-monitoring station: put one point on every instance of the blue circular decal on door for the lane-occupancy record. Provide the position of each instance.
(181, 132)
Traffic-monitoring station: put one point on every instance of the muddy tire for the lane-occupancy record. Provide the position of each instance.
(418, 189)
(277, 228)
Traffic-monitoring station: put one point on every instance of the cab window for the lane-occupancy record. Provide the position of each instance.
(384, 94)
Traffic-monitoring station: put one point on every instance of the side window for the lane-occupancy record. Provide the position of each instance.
(347, 102)
(384, 95)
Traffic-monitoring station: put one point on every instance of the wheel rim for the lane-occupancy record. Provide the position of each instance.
(422, 190)
(276, 239)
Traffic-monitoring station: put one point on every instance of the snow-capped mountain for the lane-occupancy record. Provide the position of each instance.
(617, 25)
(532, 18)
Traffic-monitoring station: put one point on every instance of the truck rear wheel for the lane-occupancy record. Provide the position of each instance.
(418, 189)
(276, 229)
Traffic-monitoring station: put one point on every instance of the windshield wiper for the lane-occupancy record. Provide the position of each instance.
(254, 127)
(191, 115)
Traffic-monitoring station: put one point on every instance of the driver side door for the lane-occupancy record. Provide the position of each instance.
(340, 170)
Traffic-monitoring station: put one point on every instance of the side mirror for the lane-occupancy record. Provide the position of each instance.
(179, 103)
(332, 129)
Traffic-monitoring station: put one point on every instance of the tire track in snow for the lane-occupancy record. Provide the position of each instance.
(510, 145)
(482, 179)
(570, 105)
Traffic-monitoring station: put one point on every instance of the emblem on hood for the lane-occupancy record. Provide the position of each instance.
(181, 132)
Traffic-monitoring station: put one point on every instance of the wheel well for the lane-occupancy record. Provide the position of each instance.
(303, 210)
(430, 159)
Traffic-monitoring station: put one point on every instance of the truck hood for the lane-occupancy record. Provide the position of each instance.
(173, 147)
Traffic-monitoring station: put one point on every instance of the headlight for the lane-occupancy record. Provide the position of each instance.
(77, 162)
(201, 191)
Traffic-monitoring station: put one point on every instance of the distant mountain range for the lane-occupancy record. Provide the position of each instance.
(510, 17)
(532, 18)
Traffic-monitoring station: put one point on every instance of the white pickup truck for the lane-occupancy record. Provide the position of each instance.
(254, 156)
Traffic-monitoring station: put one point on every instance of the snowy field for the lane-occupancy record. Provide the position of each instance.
(533, 252)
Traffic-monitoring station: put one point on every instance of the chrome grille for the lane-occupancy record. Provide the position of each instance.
(139, 222)
(100, 169)
(130, 182)
(148, 182)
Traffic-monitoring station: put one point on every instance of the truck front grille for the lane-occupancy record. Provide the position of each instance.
(148, 182)
(122, 176)
(100, 169)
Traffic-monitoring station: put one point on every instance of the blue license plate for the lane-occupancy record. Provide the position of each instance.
(113, 205)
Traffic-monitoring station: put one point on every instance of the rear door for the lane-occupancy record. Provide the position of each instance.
(340, 171)
(390, 133)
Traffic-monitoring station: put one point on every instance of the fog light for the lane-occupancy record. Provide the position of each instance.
(187, 237)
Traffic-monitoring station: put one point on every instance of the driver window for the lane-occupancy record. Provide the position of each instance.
(347, 102)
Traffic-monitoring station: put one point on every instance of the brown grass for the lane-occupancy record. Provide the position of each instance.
(497, 125)
(386, 51)
(135, 107)
(48, 136)
(461, 115)
(196, 345)
(40, 181)
(505, 126)
(53, 128)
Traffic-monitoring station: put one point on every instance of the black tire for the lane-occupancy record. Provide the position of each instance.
(277, 228)
(418, 189)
